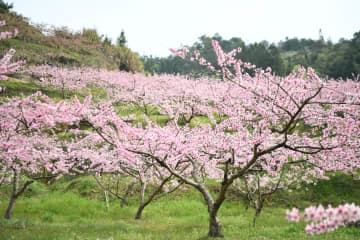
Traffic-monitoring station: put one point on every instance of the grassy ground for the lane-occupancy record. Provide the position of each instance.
(26, 86)
(76, 210)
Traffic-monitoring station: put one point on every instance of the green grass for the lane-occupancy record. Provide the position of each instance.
(68, 216)
(15, 87)
(62, 211)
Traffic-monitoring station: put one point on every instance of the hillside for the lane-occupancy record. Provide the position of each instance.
(60, 46)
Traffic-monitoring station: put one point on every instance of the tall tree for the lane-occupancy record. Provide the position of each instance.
(121, 40)
(5, 7)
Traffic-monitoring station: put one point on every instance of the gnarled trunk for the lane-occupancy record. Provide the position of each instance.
(213, 208)
(214, 226)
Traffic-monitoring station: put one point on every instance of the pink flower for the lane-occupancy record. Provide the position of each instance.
(293, 215)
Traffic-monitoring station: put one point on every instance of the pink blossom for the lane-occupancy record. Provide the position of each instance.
(325, 220)
(293, 215)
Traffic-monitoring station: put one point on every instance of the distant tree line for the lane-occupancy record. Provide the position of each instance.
(5, 7)
(334, 60)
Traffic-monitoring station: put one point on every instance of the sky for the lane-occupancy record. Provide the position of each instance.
(153, 26)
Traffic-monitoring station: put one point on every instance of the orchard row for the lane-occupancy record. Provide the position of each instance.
(262, 132)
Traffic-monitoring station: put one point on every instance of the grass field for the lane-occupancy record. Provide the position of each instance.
(78, 211)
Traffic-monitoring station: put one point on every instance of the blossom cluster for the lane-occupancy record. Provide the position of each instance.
(27, 139)
(272, 107)
(5, 66)
(325, 219)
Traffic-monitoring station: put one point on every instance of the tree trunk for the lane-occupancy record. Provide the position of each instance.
(215, 229)
(139, 211)
(10, 207)
(142, 201)
(214, 222)
(15, 194)
(258, 207)
(214, 226)
(256, 215)
(156, 192)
